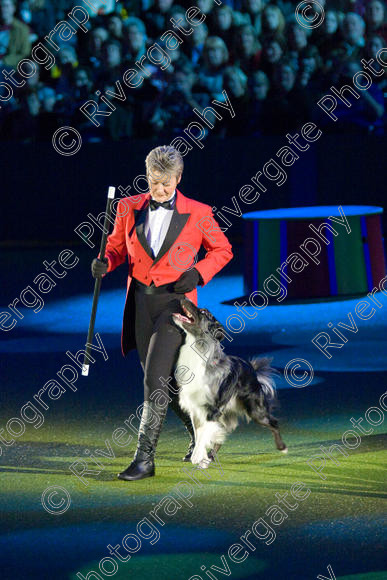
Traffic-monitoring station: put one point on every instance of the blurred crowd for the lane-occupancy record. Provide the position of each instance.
(273, 69)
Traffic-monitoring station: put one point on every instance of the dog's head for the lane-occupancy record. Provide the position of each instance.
(198, 321)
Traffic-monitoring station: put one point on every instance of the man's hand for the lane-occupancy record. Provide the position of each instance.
(187, 281)
(99, 267)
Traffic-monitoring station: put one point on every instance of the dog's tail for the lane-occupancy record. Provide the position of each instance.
(265, 373)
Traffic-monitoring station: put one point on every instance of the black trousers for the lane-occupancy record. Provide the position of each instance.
(158, 339)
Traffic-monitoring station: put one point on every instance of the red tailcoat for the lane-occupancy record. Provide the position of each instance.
(192, 226)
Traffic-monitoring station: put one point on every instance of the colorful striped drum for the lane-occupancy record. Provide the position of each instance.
(349, 262)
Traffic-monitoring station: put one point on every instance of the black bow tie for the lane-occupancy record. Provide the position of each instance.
(153, 204)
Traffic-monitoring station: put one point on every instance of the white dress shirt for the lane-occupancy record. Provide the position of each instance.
(156, 226)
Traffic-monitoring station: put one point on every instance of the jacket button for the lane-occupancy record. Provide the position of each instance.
(139, 259)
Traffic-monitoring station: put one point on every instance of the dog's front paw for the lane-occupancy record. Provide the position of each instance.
(198, 456)
(195, 459)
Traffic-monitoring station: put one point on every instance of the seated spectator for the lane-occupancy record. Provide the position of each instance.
(287, 7)
(120, 125)
(375, 19)
(288, 106)
(297, 41)
(161, 77)
(34, 83)
(221, 23)
(62, 72)
(111, 69)
(247, 50)
(273, 21)
(14, 36)
(177, 56)
(373, 45)
(344, 6)
(22, 125)
(259, 86)
(39, 15)
(253, 10)
(169, 114)
(83, 88)
(215, 57)
(136, 7)
(272, 52)
(47, 98)
(326, 37)
(349, 48)
(310, 74)
(157, 18)
(82, 92)
(353, 29)
(235, 84)
(238, 18)
(49, 117)
(194, 46)
(97, 8)
(205, 6)
(135, 39)
(115, 27)
(176, 12)
(365, 115)
(92, 57)
(61, 9)
(183, 84)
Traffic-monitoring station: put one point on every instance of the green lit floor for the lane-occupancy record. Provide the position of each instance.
(339, 524)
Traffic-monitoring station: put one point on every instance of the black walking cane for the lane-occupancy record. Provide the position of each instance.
(97, 284)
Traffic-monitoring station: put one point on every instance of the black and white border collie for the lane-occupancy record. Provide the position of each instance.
(223, 388)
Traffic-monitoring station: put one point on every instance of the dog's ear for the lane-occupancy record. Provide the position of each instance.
(218, 331)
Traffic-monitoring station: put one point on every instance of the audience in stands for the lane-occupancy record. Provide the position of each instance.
(273, 70)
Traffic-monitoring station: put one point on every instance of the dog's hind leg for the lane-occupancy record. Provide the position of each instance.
(214, 451)
(273, 426)
(266, 420)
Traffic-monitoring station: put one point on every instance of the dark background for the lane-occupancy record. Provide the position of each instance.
(46, 195)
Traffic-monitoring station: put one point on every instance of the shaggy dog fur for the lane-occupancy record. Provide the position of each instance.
(221, 388)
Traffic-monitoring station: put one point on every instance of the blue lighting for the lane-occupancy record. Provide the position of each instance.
(283, 331)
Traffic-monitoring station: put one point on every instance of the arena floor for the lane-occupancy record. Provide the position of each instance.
(339, 524)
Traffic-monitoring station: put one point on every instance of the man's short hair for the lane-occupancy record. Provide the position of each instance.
(164, 160)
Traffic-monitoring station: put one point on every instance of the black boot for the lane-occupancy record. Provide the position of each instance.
(148, 435)
(175, 406)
